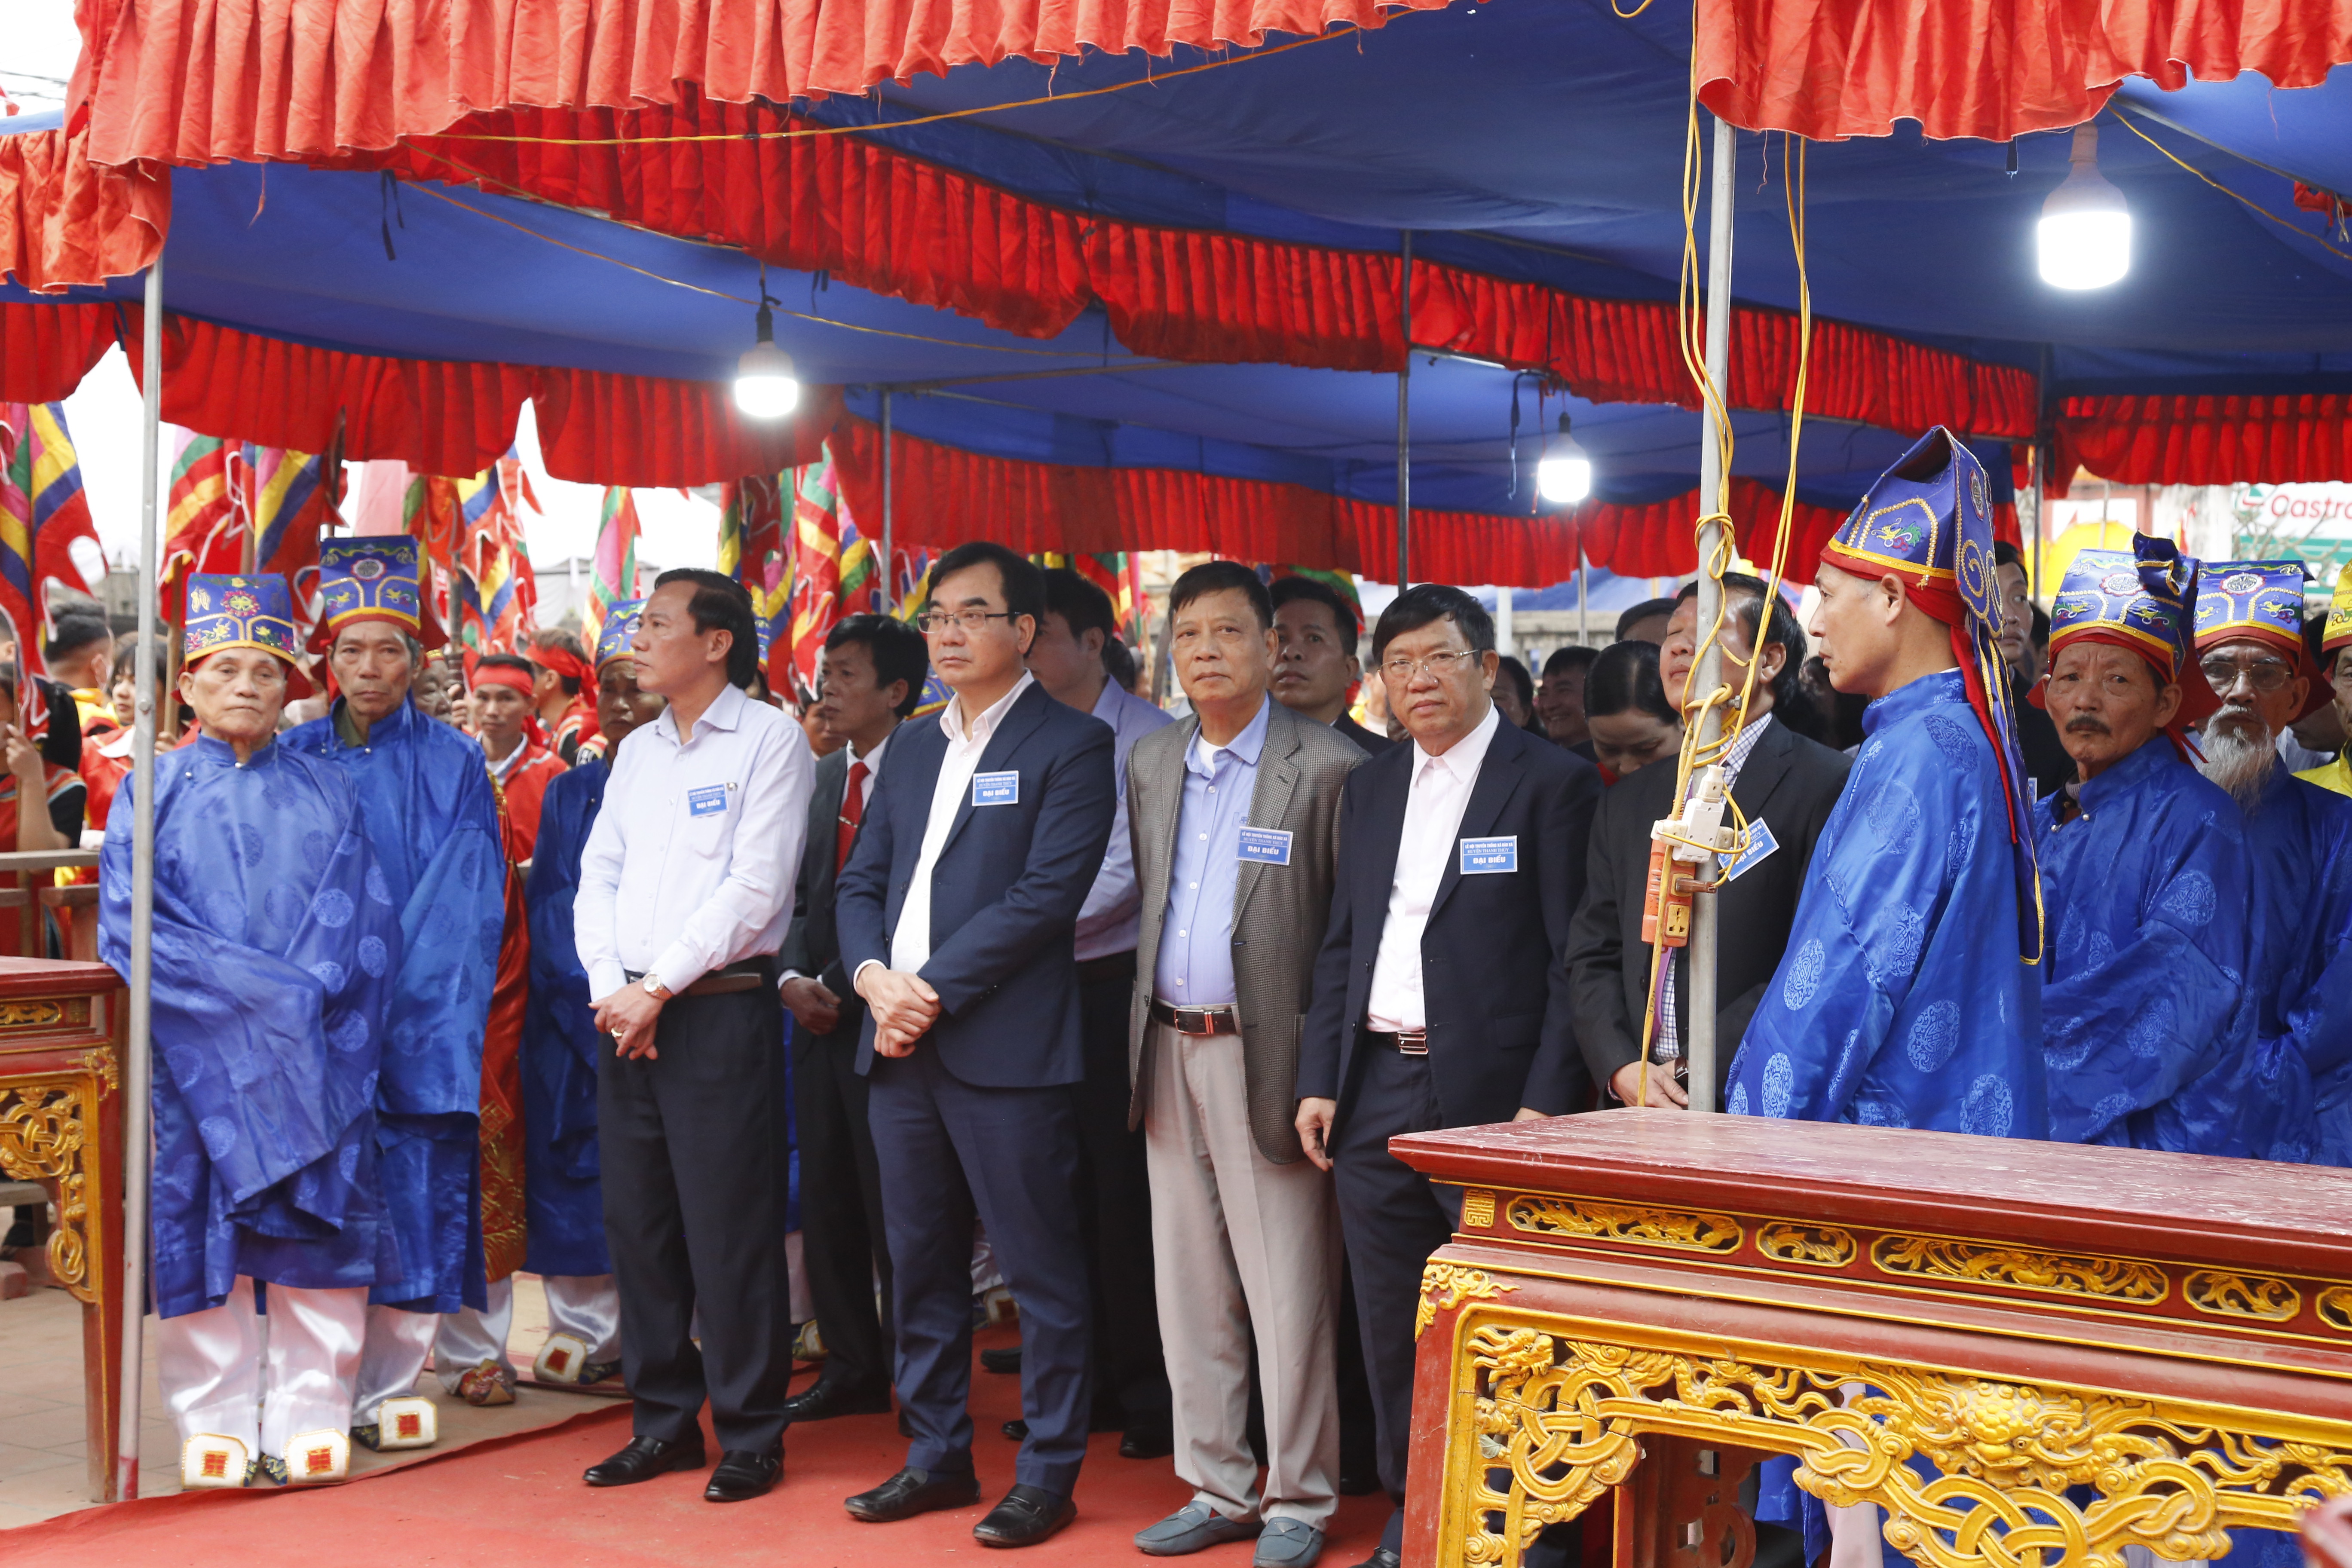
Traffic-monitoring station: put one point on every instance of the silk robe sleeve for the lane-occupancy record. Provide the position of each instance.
(450, 932)
(560, 1052)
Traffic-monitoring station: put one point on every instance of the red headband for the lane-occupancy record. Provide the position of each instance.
(564, 662)
(504, 675)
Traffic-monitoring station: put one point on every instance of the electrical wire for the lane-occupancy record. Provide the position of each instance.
(2317, 240)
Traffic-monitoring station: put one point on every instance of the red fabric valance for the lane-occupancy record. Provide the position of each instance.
(1992, 68)
(2190, 440)
(1660, 539)
(64, 221)
(45, 350)
(450, 417)
(201, 81)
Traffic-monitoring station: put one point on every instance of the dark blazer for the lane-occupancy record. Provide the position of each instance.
(1371, 745)
(1501, 1034)
(1788, 783)
(812, 941)
(1005, 892)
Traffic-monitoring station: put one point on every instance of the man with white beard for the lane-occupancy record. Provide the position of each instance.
(2291, 1098)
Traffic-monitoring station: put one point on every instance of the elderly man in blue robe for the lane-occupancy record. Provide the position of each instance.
(1907, 996)
(562, 1177)
(275, 939)
(2143, 863)
(433, 814)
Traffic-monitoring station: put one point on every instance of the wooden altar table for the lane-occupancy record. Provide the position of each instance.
(61, 1125)
(2091, 1348)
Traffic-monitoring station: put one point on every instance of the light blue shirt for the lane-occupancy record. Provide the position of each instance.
(1196, 955)
(1112, 916)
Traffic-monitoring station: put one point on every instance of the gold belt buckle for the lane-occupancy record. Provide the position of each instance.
(1413, 1042)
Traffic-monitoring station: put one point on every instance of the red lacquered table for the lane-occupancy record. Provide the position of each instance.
(1654, 1302)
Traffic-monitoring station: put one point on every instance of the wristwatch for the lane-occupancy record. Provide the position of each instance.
(656, 989)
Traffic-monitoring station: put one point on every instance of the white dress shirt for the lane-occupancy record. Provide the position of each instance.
(1111, 920)
(910, 943)
(668, 893)
(1434, 805)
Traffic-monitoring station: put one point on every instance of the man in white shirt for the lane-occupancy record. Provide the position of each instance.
(957, 911)
(686, 889)
(1440, 999)
(1114, 1189)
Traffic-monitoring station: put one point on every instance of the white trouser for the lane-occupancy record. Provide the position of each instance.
(465, 1338)
(218, 1378)
(393, 1358)
(1241, 1243)
(588, 1308)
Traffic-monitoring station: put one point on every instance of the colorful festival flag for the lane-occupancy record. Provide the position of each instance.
(204, 526)
(612, 578)
(752, 550)
(497, 593)
(46, 533)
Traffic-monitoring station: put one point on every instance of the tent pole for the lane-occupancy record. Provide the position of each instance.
(1713, 495)
(1584, 569)
(886, 597)
(137, 1056)
(1404, 411)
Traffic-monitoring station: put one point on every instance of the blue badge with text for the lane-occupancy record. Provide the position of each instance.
(1760, 843)
(1486, 856)
(1266, 846)
(996, 789)
(710, 800)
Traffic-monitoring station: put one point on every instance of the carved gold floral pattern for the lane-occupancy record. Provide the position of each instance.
(2108, 1279)
(30, 1015)
(2336, 1308)
(46, 1126)
(2228, 1295)
(1815, 1245)
(1448, 1285)
(1686, 1230)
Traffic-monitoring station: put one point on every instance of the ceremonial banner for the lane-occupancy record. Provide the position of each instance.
(613, 579)
(287, 497)
(752, 550)
(46, 532)
(203, 527)
(498, 595)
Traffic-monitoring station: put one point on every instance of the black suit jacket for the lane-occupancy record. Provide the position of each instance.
(1788, 783)
(1371, 745)
(1005, 891)
(1501, 1032)
(813, 942)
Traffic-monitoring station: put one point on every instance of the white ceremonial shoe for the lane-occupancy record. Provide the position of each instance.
(208, 1460)
(322, 1456)
(560, 1360)
(408, 1422)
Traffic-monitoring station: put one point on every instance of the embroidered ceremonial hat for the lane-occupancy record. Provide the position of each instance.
(1929, 518)
(2261, 600)
(2338, 632)
(379, 578)
(619, 630)
(2144, 600)
(226, 612)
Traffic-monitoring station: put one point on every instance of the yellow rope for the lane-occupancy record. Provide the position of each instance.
(2282, 222)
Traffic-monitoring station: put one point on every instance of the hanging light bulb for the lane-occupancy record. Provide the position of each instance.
(765, 386)
(1564, 475)
(2083, 240)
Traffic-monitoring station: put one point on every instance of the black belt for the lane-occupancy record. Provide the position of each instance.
(749, 975)
(1223, 1019)
(1405, 1042)
(1109, 967)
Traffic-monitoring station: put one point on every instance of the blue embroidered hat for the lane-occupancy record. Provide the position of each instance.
(620, 629)
(226, 612)
(1929, 518)
(2261, 600)
(380, 577)
(2146, 599)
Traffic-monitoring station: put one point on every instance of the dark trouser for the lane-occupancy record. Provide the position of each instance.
(841, 1208)
(949, 1149)
(1392, 1219)
(693, 1148)
(1115, 1206)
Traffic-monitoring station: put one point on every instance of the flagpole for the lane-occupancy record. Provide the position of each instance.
(889, 565)
(136, 1056)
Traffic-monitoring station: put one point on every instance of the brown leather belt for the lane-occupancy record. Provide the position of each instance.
(1220, 1020)
(1405, 1042)
(749, 975)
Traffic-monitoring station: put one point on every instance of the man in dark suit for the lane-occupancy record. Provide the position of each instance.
(1439, 996)
(957, 912)
(1782, 783)
(1317, 632)
(870, 677)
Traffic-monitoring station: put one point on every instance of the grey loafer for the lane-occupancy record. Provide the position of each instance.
(1195, 1527)
(1288, 1543)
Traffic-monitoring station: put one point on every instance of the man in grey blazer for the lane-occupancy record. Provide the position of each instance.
(1234, 817)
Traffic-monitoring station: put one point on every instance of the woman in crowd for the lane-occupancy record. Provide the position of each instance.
(1631, 723)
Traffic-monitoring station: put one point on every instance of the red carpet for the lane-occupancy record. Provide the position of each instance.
(518, 1502)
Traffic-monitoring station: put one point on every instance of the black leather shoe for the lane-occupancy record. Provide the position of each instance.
(744, 1474)
(1382, 1558)
(826, 1400)
(912, 1491)
(1026, 1516)
(1153, 1437)
(642, 1461)
(1017, 1430)
(1001, 1359)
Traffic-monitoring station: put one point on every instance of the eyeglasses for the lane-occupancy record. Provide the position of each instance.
(933, 622)
(2263, 675)
(1439, 665)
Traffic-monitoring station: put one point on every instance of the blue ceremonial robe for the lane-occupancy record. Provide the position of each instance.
(275, 937)
(2145, 891)
(562, 1189)
(433, 814)
(1901, 1000)
(2294, 1090)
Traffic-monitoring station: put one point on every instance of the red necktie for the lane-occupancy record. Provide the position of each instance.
(853, 811)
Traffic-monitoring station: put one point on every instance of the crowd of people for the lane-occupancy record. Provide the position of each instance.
(1139, 1000)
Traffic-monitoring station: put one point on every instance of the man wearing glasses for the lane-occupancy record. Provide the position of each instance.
(958, 913)
(2288, 1095)
(1439, 996)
